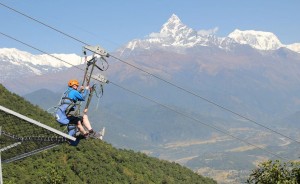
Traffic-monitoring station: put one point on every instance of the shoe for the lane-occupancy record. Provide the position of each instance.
(102, 132)
(86, 135)
(95, 135)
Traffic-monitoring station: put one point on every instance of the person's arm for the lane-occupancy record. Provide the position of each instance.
(76, 95)
(85, 92)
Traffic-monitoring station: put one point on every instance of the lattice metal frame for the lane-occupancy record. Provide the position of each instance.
(30, 136)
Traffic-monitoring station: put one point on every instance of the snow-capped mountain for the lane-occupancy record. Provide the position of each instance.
(15, 63)
(294, 47)
(256, 39)
(243, 80)
(18, 57)
(175, 34)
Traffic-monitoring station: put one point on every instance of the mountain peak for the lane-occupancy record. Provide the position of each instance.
(256, 39)
(174, 19)
(176, 35)
(173, 25)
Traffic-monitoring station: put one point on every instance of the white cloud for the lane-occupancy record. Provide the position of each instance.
(208, 32)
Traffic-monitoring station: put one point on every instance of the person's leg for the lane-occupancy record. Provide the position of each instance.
(81, 128)
(77, 121)
(87, 123)
(61, 117)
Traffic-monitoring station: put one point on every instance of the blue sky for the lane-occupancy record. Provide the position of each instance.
(113, 23)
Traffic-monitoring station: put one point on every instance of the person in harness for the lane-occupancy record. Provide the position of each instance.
(68, 104)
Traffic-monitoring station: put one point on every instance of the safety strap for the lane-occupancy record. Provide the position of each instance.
(71, 103)
(90, 96)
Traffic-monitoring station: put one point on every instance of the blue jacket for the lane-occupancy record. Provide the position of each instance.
(73, 96)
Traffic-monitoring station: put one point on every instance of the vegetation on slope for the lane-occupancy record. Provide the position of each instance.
(16, 103)
(92, 161)
(276, 171)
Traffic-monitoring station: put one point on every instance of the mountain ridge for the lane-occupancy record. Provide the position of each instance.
(259, 84)
(176, 34)
(19, 64)
(173, 36)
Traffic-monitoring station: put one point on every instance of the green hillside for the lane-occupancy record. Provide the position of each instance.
(20, 105)
(93, 161)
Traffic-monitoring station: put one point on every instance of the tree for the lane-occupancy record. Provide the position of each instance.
(276, 172)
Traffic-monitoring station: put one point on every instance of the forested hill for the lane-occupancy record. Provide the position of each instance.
(92, 161)
(20, 105)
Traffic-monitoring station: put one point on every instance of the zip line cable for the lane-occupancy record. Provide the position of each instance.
(197, 120)
(154, 101)
(40, 22)
(39, 50)
(205, 99)
(159, 78)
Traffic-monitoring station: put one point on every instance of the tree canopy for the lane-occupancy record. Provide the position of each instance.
(92, 161)
(276, 172)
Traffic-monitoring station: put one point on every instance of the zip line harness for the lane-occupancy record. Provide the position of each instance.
(99, 55)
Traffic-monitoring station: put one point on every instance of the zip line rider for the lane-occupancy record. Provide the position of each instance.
(68, 104)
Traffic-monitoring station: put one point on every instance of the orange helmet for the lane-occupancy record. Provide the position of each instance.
(73, 82)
